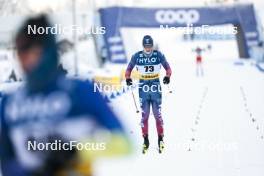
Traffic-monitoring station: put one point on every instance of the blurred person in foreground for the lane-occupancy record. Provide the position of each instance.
(52, 110)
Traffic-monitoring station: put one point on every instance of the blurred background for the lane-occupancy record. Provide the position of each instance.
(90, 50)
(206, 110)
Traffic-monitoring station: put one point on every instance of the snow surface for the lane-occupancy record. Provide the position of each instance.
(214, 125)
(218, 117)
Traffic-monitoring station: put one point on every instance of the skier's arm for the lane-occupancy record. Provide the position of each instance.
(8, 161)
(95, 105)
(116, 142)
(5, 147)
(130, 66)
(165, 64)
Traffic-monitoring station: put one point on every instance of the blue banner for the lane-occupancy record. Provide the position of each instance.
(114, 18)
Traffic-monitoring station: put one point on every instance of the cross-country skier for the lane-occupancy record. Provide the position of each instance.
(148, 62)
(58, 113)
(199, 61)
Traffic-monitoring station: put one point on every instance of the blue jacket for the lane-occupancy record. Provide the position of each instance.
(68, 108)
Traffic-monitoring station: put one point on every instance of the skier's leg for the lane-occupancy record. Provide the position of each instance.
(197, 69)
(156, 100)
(145, 107)
(144, 98)
(197, 66)
(156, 108)
(202, 70)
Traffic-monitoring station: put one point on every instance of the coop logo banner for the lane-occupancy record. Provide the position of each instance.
(177, 16)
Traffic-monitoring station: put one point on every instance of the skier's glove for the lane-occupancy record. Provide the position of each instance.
(166, 80)
(129, 81)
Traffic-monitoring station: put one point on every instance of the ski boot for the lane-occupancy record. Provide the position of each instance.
(160, 143)
(145, 144)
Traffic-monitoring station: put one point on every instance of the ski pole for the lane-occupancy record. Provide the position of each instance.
(134, 101)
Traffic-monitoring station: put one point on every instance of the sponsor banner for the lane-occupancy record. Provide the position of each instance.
(114, 18)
